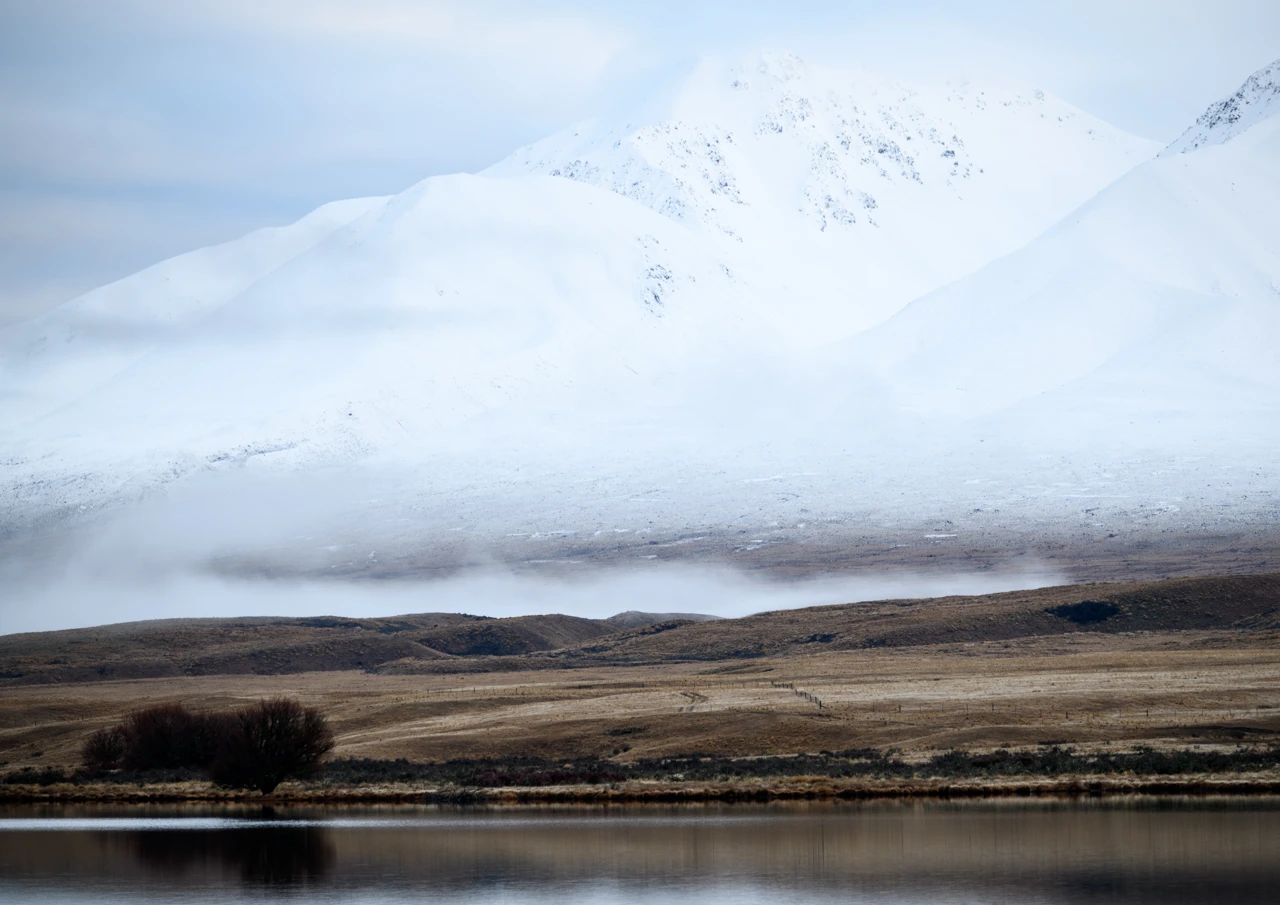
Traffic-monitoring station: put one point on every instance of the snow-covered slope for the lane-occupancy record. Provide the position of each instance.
(844, 193)
(1257, 99)
(458, 298)
(57, 358)
(1151, 312)
(628, 275)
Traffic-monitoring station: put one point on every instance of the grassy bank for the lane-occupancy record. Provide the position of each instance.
(842, 774)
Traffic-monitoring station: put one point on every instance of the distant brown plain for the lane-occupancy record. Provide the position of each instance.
(1190, 662)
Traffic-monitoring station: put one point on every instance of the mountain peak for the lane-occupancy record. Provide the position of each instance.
(1257, 99)
(772, 138)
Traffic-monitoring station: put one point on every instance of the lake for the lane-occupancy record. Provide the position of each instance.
(1165, 851)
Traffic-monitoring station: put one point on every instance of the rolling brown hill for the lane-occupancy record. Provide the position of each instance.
(454, 643)
(276, 646)
(1243, 603)
(516, 635)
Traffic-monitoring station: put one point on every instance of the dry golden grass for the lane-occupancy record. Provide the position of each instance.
(1086, 689)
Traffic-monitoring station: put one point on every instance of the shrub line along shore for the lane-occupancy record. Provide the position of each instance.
(788, 789)
(861, 773)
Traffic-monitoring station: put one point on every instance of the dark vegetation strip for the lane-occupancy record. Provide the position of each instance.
(1046, 762)
(688, 793)
(851, 764)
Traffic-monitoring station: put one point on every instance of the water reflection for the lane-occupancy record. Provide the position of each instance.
(260, 856)
(1179, 852)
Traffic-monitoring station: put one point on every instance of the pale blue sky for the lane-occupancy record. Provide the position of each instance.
(137, 129)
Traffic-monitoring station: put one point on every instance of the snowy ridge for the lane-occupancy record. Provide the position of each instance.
(724, 139)
(1257, 100)
(812, 178)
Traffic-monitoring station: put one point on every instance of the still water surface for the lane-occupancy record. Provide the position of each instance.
(1157, 851)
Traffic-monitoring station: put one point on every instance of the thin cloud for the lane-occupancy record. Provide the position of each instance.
(79, 601)
(532, 48)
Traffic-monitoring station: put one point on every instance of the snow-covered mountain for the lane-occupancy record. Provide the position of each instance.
(755, 210)
(729, 269)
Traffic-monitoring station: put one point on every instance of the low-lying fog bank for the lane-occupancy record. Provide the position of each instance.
(576, 537)
(84, 599)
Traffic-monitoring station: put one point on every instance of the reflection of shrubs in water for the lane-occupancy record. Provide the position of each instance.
(263, 856)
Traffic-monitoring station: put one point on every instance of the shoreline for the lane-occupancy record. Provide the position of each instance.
(799, 789)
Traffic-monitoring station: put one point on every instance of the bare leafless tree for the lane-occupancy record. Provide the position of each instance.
(270, 742)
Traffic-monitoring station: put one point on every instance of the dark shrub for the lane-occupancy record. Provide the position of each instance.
(270, 742)
(1086, 612)
(169, 735)
(30, 776)
(104, 750)
(479, 641)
